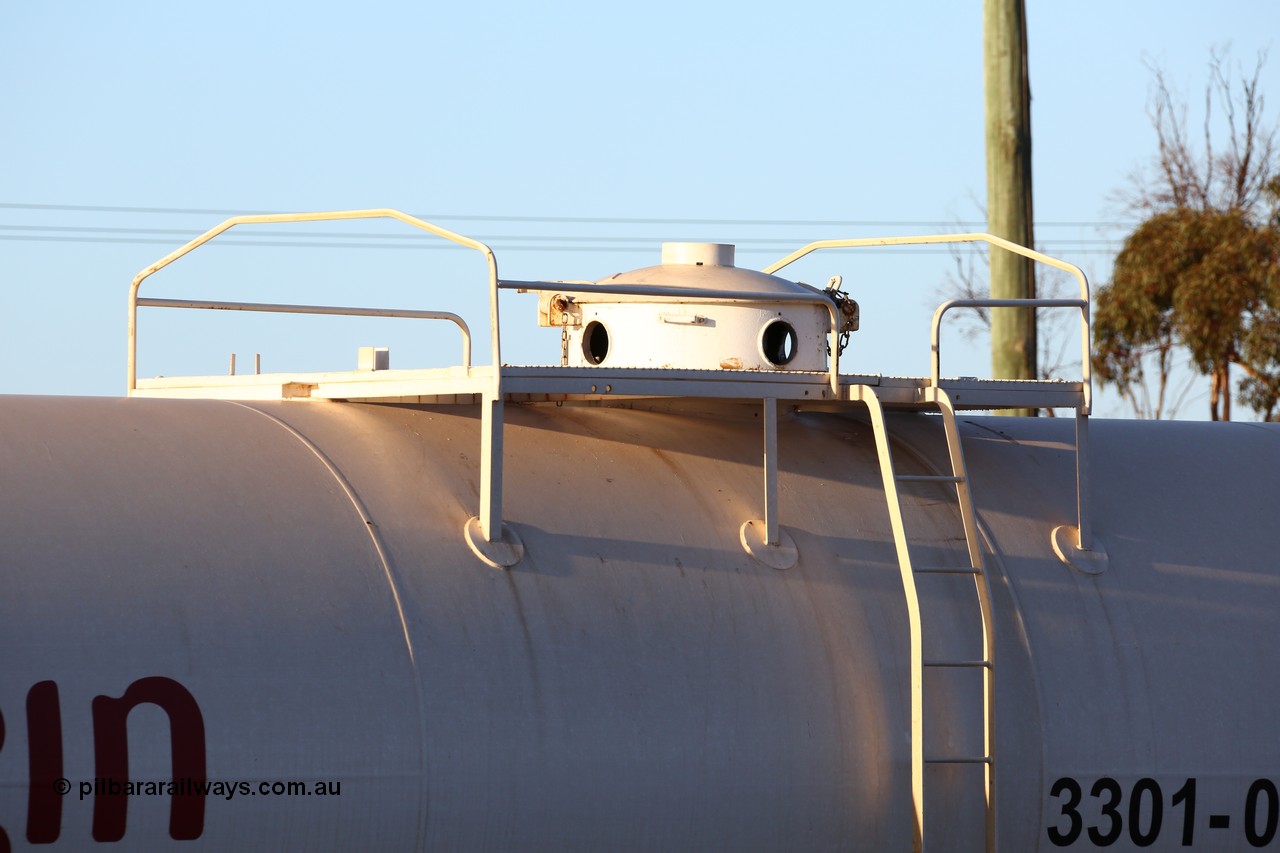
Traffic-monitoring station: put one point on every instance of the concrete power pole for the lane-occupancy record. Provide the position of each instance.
(1008, 120)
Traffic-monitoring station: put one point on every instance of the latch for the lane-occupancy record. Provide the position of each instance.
(558, 310)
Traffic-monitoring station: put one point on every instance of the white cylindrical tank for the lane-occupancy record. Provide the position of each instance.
(275, 593)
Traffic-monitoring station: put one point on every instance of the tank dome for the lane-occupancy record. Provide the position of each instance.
(637, 319)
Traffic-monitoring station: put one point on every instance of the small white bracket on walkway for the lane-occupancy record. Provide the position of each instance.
(492, 541)
(501, 553)
(1065, 539)
(763, 538)
(778, 555)
(1077, 546)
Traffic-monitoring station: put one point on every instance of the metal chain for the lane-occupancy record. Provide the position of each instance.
(846, 310)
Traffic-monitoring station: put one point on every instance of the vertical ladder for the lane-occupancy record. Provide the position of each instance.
(976, 568)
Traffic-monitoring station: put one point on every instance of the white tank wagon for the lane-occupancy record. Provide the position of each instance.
(257, 592)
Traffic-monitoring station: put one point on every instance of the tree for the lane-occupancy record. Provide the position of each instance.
(1201, 273)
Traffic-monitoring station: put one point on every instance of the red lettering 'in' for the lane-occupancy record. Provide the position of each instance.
(186, 745)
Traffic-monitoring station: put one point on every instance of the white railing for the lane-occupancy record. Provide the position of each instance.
(136, 301)
(663, 293)
(1082, 303)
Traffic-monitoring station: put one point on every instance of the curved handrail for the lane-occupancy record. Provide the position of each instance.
(324, 216)
(917, 240)
(977, 237)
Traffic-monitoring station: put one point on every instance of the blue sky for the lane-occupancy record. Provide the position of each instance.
(687, 114)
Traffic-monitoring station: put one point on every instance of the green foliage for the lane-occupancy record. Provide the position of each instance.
(1260, 389)
(1201, 274)
(1204, 280)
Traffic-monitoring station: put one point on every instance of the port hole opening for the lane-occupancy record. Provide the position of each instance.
(595, 342)
(778, 342)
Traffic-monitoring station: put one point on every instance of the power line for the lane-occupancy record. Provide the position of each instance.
(328, 235)
(438, 246)
(603, 220)
(326, 239)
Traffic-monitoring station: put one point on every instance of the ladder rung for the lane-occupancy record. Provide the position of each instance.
(928, 478)
(958, 663)
(959, 759)
(947, 570)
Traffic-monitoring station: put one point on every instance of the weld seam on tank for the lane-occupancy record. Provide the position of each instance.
(371, 528)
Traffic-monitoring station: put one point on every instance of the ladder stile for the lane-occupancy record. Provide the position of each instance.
(913, 613)
(982, 587)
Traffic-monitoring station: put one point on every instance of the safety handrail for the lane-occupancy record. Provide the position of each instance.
(326, 216)
(977, 237)
(935, 338)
